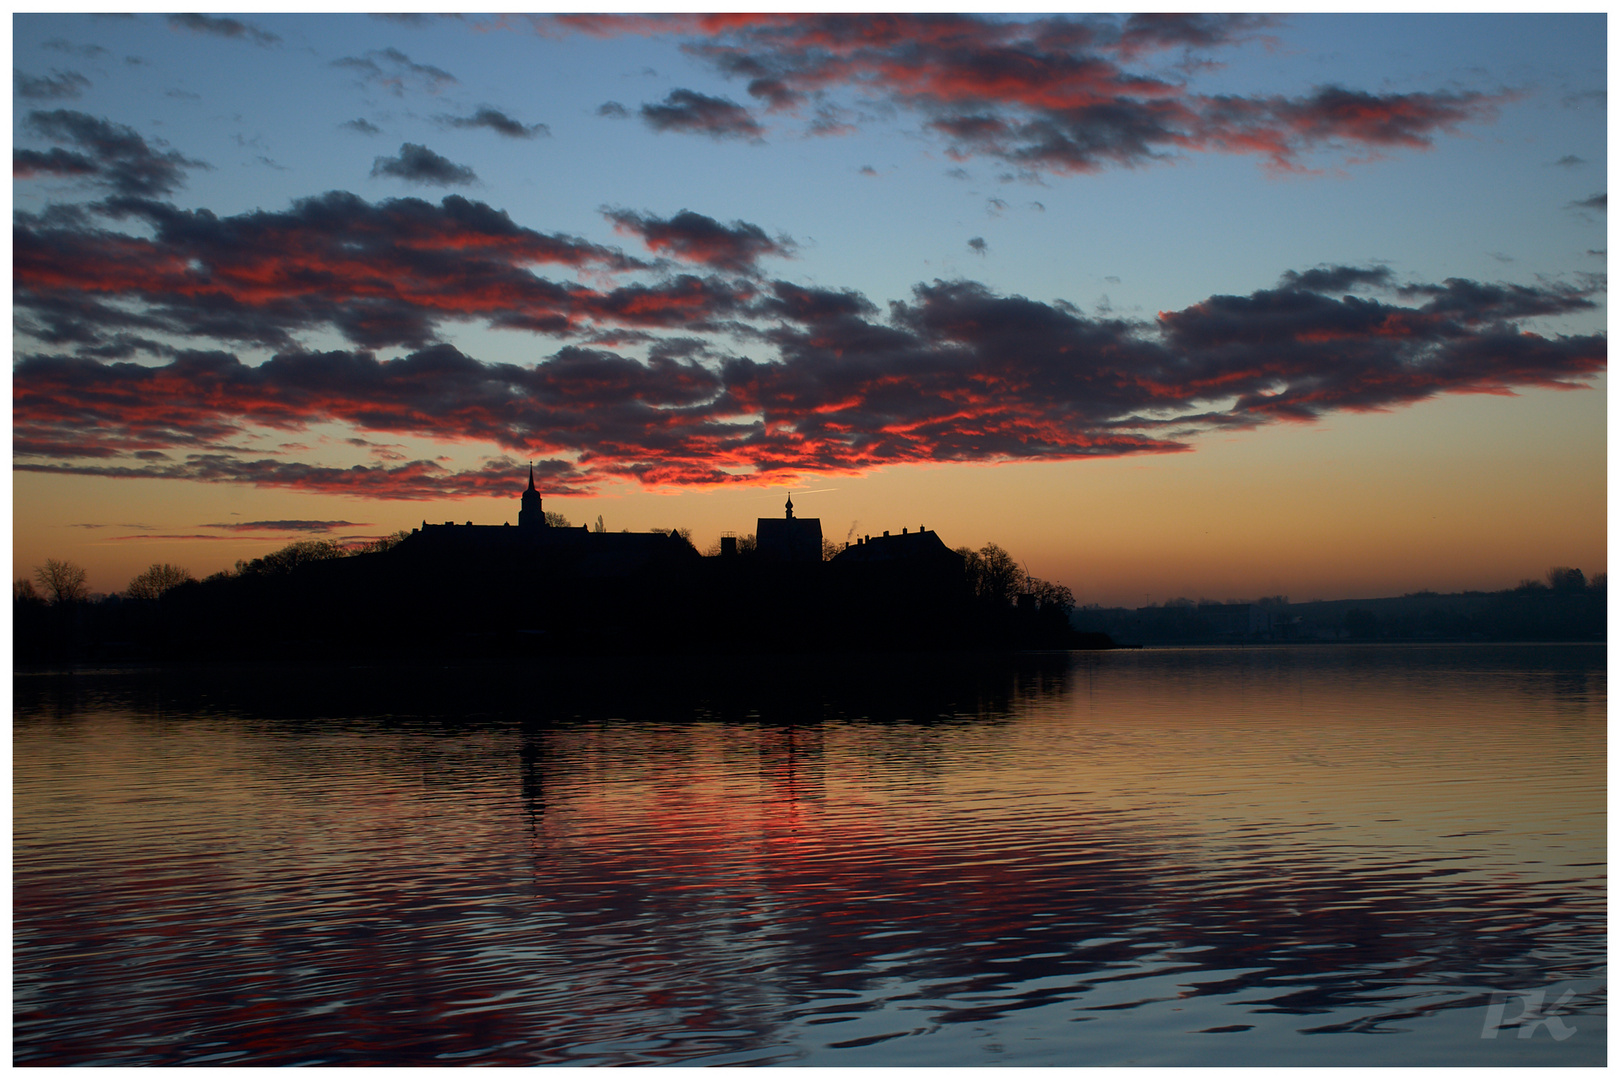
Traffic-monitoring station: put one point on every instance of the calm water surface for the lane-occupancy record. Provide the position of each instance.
(1291, 856)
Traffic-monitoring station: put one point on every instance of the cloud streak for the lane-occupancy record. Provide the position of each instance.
(57, 86)
(392, 70)
(290, 525)
(224, 27)
(498, 122)
(113, 155)
(701, 239)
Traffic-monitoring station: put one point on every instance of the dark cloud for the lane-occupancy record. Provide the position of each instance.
(1570, 161)
(955, 373)
(612, 110)
(379, 274)
(830, 121)
(701, 239)
(1049, 94)
(289, 525)
(223, 27)
(419, 165)
(362, 125)
(1600, 201)
(978, 246)
(113, 154)
(395, 72)
(62, 45)
(775, 92)
(498, 122)
(1147, 33)
(26, 164)
(689, 111)
(57, 86)
(1335, 279)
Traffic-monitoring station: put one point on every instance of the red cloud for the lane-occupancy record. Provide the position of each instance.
(1050, 93)
(956, 374)
(380, 273)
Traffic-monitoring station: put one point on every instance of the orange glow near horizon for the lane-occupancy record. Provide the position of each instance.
(1369, 504)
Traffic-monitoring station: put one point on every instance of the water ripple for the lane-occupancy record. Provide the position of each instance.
(1284, 858)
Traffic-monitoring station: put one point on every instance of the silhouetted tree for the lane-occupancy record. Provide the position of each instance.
(993, 575)
(63, 581)
(829, 549)
(1566, 579)
(286, 560)
(382, 543)
(600, 528)
(1050, 595)
(997, 580)
(155, 580)
(556, 520)
(22, 592)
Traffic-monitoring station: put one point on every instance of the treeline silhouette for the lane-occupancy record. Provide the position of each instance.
(1562, 606)
(316, 599)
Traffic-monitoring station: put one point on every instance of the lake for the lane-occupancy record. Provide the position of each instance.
(1345, 855)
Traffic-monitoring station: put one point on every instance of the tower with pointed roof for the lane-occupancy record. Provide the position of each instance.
(530, 516)
(788, 539)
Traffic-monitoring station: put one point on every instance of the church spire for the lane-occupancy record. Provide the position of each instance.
(530, 516)
(790, 506)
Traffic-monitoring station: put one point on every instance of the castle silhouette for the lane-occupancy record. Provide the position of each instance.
(784, 541)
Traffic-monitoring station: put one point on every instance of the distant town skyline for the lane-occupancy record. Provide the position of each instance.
(1204, 306)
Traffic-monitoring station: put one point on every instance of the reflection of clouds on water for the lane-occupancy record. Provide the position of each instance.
(1099, 858)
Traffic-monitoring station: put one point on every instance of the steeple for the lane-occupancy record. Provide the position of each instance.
(790, 506)
(530, 516)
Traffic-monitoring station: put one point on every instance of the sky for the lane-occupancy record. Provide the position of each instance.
(1194, 306)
